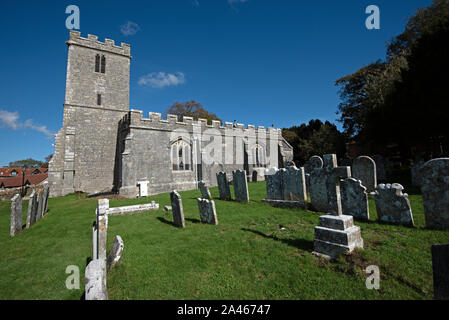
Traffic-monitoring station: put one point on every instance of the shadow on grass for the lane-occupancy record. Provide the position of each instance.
(301, 244)
(163, 220)
(193, 220)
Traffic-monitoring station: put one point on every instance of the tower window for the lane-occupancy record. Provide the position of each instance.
(103, 64)
(99, 99)
(100, 63)
(97, 63)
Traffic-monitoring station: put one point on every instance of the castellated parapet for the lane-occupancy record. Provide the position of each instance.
(148, 146)
(92, 42)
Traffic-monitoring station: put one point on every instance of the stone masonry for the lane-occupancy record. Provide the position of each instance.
(104, 146)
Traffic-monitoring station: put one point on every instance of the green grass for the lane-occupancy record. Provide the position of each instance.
(255, 252)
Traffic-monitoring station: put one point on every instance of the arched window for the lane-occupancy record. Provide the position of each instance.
(97, 63)
(181, 156)
(103, 64)
(259, 156)
(100, 63)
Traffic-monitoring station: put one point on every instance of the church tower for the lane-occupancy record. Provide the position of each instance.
(96, 98)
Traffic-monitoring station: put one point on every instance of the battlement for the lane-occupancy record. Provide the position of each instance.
(154, 120)
(92, 42)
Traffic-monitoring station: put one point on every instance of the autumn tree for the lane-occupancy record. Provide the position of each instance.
(191, 109)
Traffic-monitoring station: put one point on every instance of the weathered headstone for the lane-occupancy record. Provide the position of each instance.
(273, 181)
(325, 185)
(294, 184)
(440, 264)
(31, 212)
(364, 169)
(240, 186)
(115, 253)
(143, 188)
(336, 232)
(315, 162)
(380, 167)
(177, 209)
(95, 279)
(354, 199)
(40, 204)
(415, 174)
(435, 194)
(205, 193)
(207, 211)
(46, 191)
(392, 205)
(223, 186)
(16, 215)
(102, 223)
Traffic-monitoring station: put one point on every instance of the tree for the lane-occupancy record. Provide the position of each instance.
(191, 109)
(27, 163)
(402, 99)
(314, 138)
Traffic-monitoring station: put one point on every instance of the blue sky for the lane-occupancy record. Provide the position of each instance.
(259, 62)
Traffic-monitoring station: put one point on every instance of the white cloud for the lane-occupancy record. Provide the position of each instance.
(10, 120)
(162, 79)
(129, 29)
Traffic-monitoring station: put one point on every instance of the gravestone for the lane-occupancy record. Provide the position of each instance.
(207, 211)
(102, 223)
(115, 253)
(315, 162)
(205, 193)
(364, 169)
(380, 167)
(440, 265)
(95, 280)
(392, 205)
(336, 233)
(31, 212)
(143, 188)
(40, 204)
(223, 186)
(240, 186)
(16, 215)
(254, 176)
(435, 195)
(46, 193)
(354, 199)
(415, 174)
(177, 209)
(325, 186)
(273, 181)
(294, 184)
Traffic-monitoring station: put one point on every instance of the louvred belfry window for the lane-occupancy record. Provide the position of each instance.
(97, 63)
(103, 64)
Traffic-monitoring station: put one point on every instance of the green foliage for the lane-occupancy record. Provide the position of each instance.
(27, 163)
(255, 252)
(192, 109)
(407, 91)
(314, 138)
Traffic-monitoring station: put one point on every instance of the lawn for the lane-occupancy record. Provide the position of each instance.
(255, 252)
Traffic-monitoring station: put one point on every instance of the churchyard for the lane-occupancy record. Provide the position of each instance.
(249, 250)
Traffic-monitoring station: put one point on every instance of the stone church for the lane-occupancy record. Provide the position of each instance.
(103, 146)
